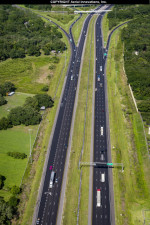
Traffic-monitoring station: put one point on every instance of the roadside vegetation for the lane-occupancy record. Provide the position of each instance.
(132, 187)
(73, 178)
(135, 37)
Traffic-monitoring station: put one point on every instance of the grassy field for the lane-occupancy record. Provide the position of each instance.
(71, 200)
(17, 99)
(131, 188)
(25, 73)
(29, 74)
(32, 179)
(77, 27)
(14, 139)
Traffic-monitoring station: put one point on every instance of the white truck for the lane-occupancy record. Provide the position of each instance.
(98, 197)
(102, 131)
(52, 177)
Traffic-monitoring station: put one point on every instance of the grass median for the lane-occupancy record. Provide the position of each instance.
(132, 187)
(73, 180)
(77, 27)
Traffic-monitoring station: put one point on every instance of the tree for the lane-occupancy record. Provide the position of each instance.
(32, 102)
(2, 90)
(144, 106)
(13, 201)
(27, 115)
(15, 190)
(44, 100)
(34, 50)
(6, 212)
(9, 86)
(2, 100)
(5, 123)
(16, 115)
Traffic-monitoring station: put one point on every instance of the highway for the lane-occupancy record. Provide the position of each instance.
(49, 202)
(101, 215)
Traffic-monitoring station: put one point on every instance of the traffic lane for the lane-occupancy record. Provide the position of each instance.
(101, 214)
(51, 157)
(60, 157)
(100, 142)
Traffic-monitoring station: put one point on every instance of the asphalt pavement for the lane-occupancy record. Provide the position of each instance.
(49, 201)
(100, 215)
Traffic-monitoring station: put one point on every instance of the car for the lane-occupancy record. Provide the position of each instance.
(56, 180)
(38, 221)
(71, 77)
(100, 68)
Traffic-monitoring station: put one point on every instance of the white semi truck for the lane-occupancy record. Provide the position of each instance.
(52, 177)
(98, 197)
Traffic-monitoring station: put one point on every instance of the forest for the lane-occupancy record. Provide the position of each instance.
(24, 33)
(136, 38)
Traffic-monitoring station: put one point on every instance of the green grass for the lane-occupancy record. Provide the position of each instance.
(17, 99)
(14, 139)
(105, 28)
(29, 74)
(28, 205)
(71, 200)
(131, 188)
(77, 27)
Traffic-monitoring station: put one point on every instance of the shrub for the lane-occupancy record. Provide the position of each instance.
(52, 67)
(54, 59)
(15, 190)
(45, 88)
(17, 155)
(2, 178)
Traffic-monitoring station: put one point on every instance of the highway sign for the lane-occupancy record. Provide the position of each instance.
(109, 164)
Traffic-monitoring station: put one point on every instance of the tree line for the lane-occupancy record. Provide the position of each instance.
(135, 37)
(24, 33)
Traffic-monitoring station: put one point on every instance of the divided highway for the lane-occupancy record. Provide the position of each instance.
(101, 187)
(49, 202)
